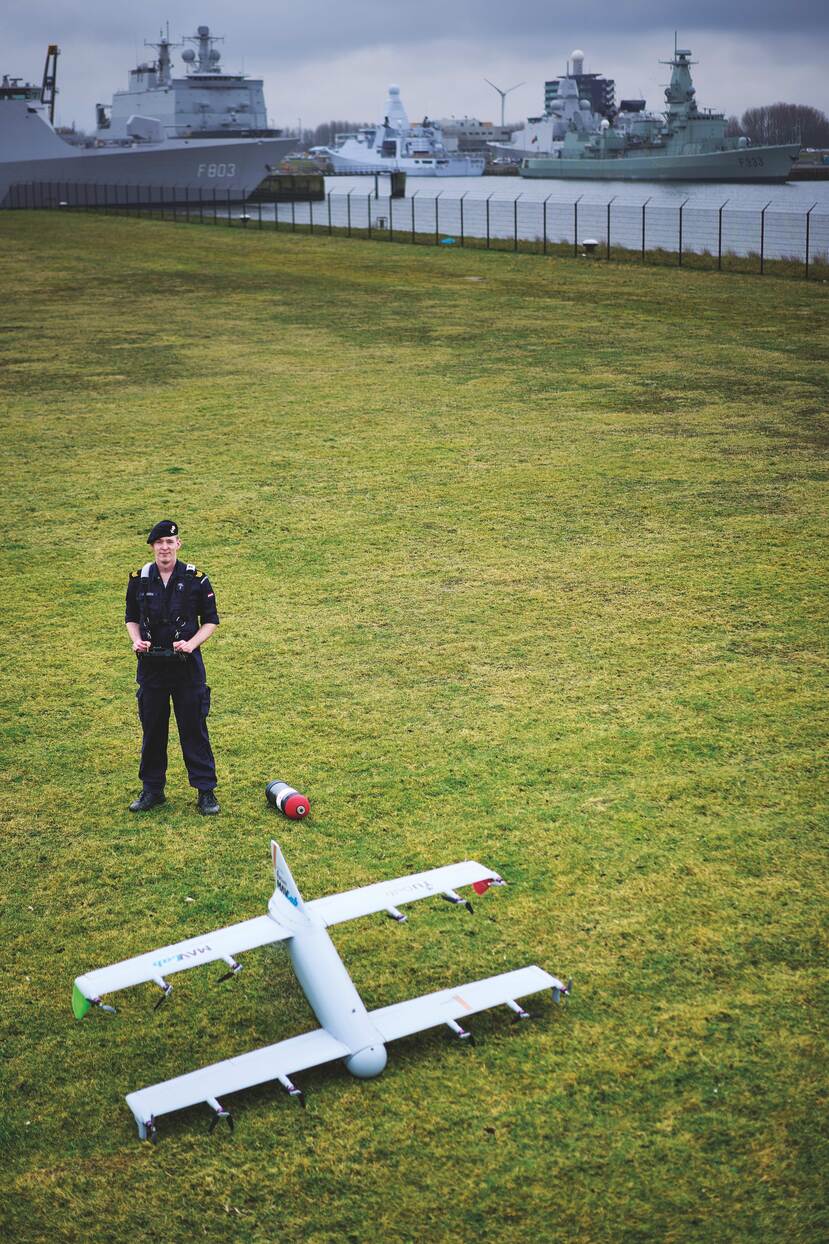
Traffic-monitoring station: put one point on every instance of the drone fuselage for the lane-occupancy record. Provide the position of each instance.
(334, 999)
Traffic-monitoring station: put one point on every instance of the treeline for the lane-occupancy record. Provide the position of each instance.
(782, 123)
(323, 135)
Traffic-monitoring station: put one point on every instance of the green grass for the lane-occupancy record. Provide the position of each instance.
(517, 559)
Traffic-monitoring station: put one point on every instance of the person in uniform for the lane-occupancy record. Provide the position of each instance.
(171, 611)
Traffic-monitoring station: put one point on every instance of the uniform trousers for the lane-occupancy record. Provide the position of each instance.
(191, 704)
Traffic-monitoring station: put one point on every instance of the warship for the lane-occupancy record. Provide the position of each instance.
(147, 163)
(206, 102)
(685, 143)
(544, 135)
(397, 146)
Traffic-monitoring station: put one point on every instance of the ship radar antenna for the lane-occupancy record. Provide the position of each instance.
(503, 94)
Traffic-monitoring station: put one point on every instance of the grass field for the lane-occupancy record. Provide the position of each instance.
(517, 560)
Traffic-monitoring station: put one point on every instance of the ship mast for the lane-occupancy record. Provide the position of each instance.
(49, 89)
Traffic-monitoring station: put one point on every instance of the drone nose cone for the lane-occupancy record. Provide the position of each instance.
(368, 1062)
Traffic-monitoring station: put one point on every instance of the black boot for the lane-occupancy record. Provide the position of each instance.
(208, 804)
(146, 800)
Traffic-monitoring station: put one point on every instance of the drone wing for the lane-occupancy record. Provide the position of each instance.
(312, 1049)
(273, 1062)
(155, 965)
(386, 895)
(449, 1005)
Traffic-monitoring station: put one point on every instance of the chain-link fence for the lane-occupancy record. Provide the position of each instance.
(725, 235)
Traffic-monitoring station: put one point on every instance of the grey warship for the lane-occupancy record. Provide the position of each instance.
(148, 164)
(685, 144)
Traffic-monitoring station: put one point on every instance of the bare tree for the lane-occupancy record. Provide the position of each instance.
(786, 123)
(325, 134)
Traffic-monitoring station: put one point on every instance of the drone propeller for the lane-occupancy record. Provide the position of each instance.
(166, 990)
(219, 1112)
(234, 969)
(452, 897)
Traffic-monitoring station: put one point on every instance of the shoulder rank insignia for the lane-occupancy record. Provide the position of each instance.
(199, 574)
(133, 574)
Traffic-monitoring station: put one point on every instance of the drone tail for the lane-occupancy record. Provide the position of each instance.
(285, 883)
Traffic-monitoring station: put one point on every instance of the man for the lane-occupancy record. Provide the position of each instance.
(171, 611)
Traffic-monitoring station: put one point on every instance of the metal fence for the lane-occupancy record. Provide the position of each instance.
(722, 235)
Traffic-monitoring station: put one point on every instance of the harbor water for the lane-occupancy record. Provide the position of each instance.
(781, 221)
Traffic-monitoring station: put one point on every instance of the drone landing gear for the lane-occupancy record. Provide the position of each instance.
(147, 1130)
(459, 1032)
(292, 1090)
(234, 969)
(166, 990)
(452, 897)
(219, 1112)
(564, 992)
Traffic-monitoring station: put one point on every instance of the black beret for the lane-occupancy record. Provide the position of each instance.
(165, 528)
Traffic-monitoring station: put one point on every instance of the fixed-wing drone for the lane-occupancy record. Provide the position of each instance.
(349, 1032)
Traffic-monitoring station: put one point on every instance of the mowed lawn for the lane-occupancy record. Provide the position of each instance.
(518, 560)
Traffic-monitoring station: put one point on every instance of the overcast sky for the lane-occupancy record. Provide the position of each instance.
(324, 59)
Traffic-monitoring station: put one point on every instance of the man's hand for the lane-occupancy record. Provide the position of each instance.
(141, 645)
(184, 645)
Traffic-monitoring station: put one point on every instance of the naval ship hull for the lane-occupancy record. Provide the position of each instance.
(433, 166)
(31, 153)
(228, 168)
(746, 164)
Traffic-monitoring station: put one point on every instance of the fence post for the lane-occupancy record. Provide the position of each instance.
(311, 214)
(544, 220)
(293, 216)
(437, 217)
(644, 205)
(391, 214)
(515, 221)
(763, 236)
(608, 227)
(487, 219)
(229, 213)
(681, 206)
(368, 209)
(348, 210)
(576, 226)
(463, 196)
(330, 192)
(414, 196)
(719, 239)
(808, 222)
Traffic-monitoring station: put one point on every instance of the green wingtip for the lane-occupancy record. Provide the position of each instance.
(80, 1003)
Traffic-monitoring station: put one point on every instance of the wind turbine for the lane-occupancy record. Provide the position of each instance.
(503, 94)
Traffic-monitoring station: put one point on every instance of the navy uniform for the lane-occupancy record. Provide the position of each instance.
(167, 614)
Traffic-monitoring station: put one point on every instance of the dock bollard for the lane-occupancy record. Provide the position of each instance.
(287, 800)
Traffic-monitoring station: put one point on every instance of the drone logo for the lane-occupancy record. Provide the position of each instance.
(283, 889)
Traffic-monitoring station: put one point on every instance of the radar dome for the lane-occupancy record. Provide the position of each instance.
(188, 55)
(215, 55)
(584, 104)
(577, 54)
(394, 90)
(605, 125)
(203, 31)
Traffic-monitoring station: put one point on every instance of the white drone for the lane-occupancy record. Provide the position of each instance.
(348, 1031)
